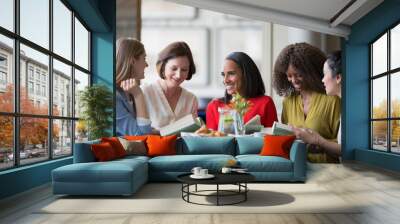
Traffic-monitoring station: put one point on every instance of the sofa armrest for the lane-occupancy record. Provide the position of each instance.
(83, 153)
(298, 155)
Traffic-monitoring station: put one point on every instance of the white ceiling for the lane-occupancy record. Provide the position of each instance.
(321, 9)
(315, 15)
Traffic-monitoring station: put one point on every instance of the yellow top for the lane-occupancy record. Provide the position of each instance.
(323, 116)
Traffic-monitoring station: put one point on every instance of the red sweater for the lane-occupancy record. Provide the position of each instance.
(262, 105)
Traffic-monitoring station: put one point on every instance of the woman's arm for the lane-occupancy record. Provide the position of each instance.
(211, 116)
(140, 104)
(195, 107)
(128, 123)
(311, 137)
(270, 113)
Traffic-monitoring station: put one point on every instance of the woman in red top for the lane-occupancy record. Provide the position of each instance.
(242, 76)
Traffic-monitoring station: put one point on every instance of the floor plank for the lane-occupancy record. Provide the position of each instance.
(377, 190)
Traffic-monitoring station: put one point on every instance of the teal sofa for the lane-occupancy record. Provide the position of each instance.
(125, 176)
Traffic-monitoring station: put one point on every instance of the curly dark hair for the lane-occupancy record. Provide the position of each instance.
(307, 60)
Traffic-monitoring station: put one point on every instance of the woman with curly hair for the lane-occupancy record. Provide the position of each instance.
(333, 83)
(297, 75)
(242, 76)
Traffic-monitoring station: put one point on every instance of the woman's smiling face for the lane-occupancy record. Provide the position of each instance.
(231, 75)
(176, 71)
(294, 78)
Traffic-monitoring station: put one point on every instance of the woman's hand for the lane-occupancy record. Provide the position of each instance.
(131, 86)
(307, 135)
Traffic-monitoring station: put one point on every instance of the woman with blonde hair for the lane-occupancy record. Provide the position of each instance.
(132, 116)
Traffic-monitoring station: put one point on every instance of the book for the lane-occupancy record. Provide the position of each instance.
(185, 124)
(253, 125)
(281, 129)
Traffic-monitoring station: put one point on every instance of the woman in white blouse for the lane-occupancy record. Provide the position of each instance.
(166, 100)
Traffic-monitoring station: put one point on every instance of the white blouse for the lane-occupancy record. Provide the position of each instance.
(160, 112)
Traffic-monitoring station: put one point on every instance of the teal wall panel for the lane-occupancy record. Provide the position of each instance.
(380, 159)
(24, 178)
(356, 93)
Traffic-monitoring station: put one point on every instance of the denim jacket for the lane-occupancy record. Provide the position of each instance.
(127, 122)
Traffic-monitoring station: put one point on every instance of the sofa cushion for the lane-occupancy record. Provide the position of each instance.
(116, 145)
(257, 163)
(103, 152)
(161, 145)
(275, 145)
(83, 152)
(185, 163)
(136, 137)
(134, 147)
(207, 145)
(249, 145)
(112, 171)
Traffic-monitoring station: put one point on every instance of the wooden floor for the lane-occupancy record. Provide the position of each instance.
(378, 189)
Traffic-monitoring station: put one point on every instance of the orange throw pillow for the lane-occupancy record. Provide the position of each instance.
(275, 145)
(103, 151)
(161, 145)
(135, 138)
(116, 145)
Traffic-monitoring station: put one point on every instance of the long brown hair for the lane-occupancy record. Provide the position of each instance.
(128, 49)
(307, 60)
(251, 83)
(174, 50)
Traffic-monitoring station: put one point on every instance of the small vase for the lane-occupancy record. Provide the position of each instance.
(226, 120)
(239, 124)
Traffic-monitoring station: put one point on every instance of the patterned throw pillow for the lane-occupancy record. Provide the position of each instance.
(134, 147)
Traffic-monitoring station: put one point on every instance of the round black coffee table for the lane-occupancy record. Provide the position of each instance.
(238, 179)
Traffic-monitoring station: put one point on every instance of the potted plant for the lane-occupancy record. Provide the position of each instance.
(96, 103)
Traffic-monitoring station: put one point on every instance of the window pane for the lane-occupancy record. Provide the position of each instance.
(62, 89)
(81, 45)
(62, 141)
(395, 47)
(379, 98)
(81, 81)
(33, 139)
(6, 74)
(239, 39)
(379, 135)
(35, 21)
(195, 38)
(6, 142)
(395, 95)
(81, 131)
(395, 138)
(34, 72)
(7, 14)
(379, 55)
(62, 29)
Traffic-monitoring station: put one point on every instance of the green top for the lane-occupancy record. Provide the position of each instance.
(323, 116)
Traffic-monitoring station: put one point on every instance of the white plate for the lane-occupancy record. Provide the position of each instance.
(208, 176)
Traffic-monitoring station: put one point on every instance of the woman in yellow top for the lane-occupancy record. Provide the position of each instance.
(298, 72)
